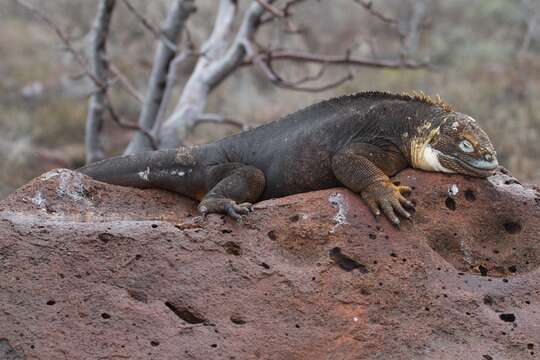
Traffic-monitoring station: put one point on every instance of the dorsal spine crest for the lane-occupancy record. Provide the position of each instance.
(418, 96)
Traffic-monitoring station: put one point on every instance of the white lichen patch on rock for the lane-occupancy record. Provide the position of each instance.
(466, 251)
(71, 185)
(453, 190)
(338, 201)
(50, 174)
(144, 174)
(39, 200)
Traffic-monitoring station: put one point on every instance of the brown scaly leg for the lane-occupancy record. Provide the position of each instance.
(237, 187)
(356, 166)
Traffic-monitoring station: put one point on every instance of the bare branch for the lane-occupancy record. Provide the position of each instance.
(237, 51)
(146, 23)
(129, 126)
(408, 31)
(532, 23)
(289, 4)
(269, 72)
(345, 59)
(99, 69)
(283, 14)
(272, 9)
(414, 25)
(171, 80)
(368, 5)
(130, 88)
(178, 13)
(279, 13)
(308, 78)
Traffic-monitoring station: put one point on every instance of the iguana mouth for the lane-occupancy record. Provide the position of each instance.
(469, 166)
(484, 170)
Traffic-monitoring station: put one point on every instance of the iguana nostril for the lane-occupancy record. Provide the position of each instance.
(488, 157)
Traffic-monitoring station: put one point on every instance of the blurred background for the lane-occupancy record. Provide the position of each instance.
(485, 57)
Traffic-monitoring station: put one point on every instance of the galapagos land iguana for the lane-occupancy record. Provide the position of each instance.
(357, 141)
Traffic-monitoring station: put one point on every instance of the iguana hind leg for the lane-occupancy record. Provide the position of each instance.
(235, 187)
(364, 168)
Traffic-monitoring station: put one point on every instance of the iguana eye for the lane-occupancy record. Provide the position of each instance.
(466, 146)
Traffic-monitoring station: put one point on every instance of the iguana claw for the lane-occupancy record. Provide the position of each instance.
(385, 196)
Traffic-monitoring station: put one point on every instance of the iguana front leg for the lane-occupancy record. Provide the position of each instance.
(364, 168)
(233, 187)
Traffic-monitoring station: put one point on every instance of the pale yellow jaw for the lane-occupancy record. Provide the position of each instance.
(430, 161)
(424, 157)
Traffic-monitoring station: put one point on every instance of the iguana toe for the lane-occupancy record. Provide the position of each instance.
(224, 206)
(389, 198)
(246, 206)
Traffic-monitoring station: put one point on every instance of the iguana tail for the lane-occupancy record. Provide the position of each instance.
(173, 170)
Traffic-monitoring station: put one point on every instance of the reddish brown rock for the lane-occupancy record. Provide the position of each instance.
(93, 271)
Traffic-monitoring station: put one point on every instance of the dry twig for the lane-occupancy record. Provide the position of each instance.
(332, 59)
(148, 25)
(368, 5)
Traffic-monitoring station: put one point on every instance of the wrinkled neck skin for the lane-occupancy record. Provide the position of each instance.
(420, 152)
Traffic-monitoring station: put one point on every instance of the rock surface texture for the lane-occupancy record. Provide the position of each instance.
(94, 271)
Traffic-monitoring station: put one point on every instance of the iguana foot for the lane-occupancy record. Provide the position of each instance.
(224, 206)
(385, 196)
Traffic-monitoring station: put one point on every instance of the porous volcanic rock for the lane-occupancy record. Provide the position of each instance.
(94, 271)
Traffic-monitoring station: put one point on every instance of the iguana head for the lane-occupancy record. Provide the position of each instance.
(458, 145)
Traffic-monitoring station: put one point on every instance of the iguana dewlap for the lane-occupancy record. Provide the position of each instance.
(356, 141)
